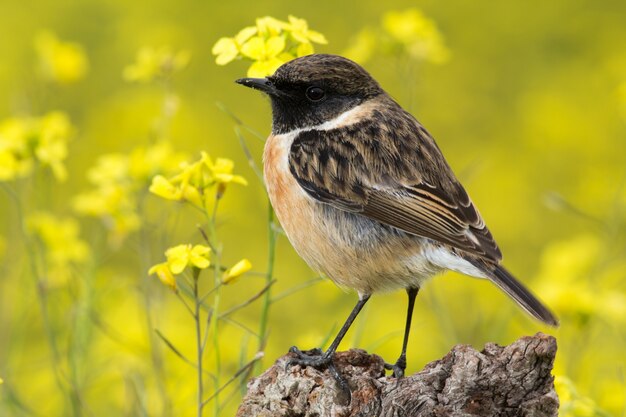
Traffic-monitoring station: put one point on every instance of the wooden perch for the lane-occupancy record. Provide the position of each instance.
(501, 381)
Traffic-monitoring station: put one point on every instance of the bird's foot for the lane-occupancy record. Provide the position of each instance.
(313, 357)
(319, 360)
(398, 368)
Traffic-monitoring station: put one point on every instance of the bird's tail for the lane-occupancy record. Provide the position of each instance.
(514, 289)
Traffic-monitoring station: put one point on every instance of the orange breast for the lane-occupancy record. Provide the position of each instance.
(353, 251)
(295, 210)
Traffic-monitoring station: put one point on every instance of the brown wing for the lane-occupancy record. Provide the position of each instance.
(394, 173)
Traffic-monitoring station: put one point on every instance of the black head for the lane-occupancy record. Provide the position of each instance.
(313, 89)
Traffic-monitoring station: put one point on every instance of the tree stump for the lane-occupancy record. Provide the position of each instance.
(514, 380)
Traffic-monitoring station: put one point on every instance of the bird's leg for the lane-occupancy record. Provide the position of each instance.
(400, 365)
(315, 357)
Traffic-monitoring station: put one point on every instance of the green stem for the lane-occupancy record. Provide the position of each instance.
(216, 347)
(199, 349)
(234, 377)
(168, 110)
(213, 323)
(156, 353)
(42, 297)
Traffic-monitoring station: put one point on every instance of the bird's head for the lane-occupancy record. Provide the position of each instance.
(314, 89)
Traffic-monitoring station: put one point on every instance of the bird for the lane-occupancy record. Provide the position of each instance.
(364, 193)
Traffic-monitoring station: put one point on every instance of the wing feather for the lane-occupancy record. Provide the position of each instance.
(388, 168)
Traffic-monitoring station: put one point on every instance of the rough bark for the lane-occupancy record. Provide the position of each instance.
(514, 380)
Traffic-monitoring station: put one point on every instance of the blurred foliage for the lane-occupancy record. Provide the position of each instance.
(101, 98)
(156, 63)
(406, 33)
(61, 62)
(26, 141)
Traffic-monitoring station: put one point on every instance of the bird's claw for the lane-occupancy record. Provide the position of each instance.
(319, 360)
(310, 352)
(398, 368)
(313, 357)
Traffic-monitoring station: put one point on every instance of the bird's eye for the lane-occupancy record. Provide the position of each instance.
(315, 93)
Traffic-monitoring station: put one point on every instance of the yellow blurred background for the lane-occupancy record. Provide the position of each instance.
(527, 100)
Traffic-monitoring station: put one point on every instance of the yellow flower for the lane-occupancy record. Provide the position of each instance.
(222, 171)
(61, 62)
(245, 34)
(60, 238)
(417, 34)
(24, 140)
(193, 182)
(198, 256)
(119, 178)
(304, 49)
(269, 44)
(192, 194)
(235, 271)
(269, 26)
(179, 257)
(154, 63)
(17, 134)
(110, 168)
(55, 131)
(11, 167)
(227, 49)
(106, 200)
(113, 199)
(162, 187)
(164, 274)
(299, 29)
(265, 53)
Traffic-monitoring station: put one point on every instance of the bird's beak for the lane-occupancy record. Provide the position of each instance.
(262, 84)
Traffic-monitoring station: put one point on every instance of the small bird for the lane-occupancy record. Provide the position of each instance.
(364, 194)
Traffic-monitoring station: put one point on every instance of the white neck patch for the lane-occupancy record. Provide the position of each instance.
(346, 118)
